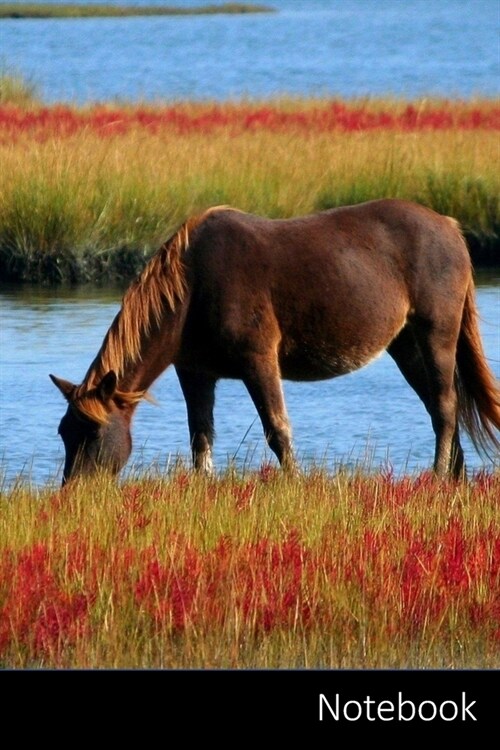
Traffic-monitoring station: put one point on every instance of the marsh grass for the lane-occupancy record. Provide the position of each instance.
(62, 10)
(17, 90)
(84, 208)
(251, 569)
(90, 194)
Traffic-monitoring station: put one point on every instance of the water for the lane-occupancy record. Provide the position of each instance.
(310, 47)
(369, 414)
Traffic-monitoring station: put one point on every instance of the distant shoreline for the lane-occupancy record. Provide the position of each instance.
(46, 10)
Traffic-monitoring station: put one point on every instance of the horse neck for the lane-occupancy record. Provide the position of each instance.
(138, 357)
(157, 352)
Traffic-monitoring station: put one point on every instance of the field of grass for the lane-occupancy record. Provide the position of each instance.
(62, 10)
(253, 570)
(89, 193)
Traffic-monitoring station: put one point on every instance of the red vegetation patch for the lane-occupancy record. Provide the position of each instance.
(62, 121)
(401, 579)
(37, 611)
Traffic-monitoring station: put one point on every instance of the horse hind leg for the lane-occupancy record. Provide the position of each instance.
(429, 368)
(199, 394)
(438, 344)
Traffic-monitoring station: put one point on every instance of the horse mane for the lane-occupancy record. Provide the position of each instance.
(161, 284)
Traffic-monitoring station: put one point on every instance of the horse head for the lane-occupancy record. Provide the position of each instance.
(94, 430)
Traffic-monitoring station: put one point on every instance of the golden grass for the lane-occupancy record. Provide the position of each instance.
(142, 183)
(74, 203)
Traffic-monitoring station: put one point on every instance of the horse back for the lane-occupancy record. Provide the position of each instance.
(330, 290)
(380, 237)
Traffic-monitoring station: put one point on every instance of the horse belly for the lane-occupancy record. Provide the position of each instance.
(320, 364)
(337, 351)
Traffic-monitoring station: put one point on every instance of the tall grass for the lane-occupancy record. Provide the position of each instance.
(83, 203)
(89, 195)
(17, 90)
(254, 570)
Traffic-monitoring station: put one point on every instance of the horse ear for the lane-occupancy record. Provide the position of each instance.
(107, 387)
(67, 389)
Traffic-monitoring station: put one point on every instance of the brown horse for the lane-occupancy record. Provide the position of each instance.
(232, 295)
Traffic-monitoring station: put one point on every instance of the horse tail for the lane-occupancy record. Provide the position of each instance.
(477, 387)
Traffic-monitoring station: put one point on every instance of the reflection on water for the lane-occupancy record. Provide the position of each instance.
(369, 414)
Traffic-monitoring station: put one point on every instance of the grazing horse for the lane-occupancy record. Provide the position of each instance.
(232, 295)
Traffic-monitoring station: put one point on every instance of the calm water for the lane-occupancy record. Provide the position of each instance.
(371, 413)
(310, 47)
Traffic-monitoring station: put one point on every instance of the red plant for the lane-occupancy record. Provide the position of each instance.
(36, 612)
(168, 590)
(244, 495)
(267, 473)
(401, 578)
(132, 516)
(64, 121)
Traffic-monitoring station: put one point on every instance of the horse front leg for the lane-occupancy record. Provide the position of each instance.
(199, 394)
(263, 382)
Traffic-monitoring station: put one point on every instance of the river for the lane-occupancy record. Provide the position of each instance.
(370, 417)
(407, 48)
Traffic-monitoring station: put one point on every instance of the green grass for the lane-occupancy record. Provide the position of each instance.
(88, 194)
(87, 208)
(49, 10)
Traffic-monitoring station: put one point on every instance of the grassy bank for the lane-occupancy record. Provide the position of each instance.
(259, 570)
(88, 194)
(49, 10)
